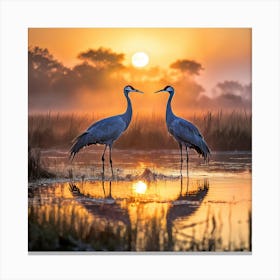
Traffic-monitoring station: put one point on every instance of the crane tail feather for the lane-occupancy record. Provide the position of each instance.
(205, 151)
(202, 149)
(85, 139)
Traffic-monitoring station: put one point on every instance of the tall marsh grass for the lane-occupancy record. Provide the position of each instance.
(222, 131)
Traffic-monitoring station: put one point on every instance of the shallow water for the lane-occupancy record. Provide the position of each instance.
(147, 207)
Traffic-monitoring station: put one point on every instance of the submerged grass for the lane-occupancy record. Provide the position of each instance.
(53, 231)
(212, 240)
(49, 233)
(222, 131)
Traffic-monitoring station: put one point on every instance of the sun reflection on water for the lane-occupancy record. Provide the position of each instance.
(139, 187)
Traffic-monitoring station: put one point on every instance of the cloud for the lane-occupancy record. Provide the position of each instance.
(234, 90)
(230, 86)
(103, 58)
(190, 66)
(229, 95)
(247, 92)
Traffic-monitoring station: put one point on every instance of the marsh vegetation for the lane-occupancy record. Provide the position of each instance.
(222, 131)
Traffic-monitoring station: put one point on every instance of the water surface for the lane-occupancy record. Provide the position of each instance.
(148, 206)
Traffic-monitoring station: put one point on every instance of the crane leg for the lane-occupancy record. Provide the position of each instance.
(110, 189)
(103, 188)
(111, 162)
(103, 159)
(187, 161)
(187, 185)
(180, 145)
(181, 186)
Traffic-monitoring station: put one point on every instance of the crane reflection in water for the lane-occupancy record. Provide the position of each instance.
(146, 217)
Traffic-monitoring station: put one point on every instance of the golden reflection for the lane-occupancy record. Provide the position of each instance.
(161, 215)
(139, 187)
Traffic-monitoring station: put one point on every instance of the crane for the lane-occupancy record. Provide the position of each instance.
(105, 131)
(184, 132)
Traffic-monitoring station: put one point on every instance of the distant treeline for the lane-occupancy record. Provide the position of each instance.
(222, 131)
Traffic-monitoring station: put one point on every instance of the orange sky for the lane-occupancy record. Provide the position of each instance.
(224, 53)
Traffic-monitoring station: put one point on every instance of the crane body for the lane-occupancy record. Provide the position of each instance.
(105, 131)
(185, 133)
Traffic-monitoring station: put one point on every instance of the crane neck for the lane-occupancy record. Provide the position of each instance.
(169, 114)
(128, 113)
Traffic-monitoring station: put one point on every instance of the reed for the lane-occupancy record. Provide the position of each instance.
(222, 131)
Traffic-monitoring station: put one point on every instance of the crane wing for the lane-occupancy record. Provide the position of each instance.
(105, 131)
(186, 125)
(184, 130)
(188, 134)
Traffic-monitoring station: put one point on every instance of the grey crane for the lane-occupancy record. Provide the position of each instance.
(105, 131)
(184, 132)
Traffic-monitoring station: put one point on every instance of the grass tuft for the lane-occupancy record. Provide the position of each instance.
(35, 168)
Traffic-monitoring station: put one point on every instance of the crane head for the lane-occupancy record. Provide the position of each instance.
(128, 89)
(168, 89)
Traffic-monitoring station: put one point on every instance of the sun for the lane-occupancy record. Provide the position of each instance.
(140, 59)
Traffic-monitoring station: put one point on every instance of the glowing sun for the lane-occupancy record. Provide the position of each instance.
(140, 59)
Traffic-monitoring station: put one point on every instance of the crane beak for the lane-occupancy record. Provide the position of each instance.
(159, 91)
(136, 90)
